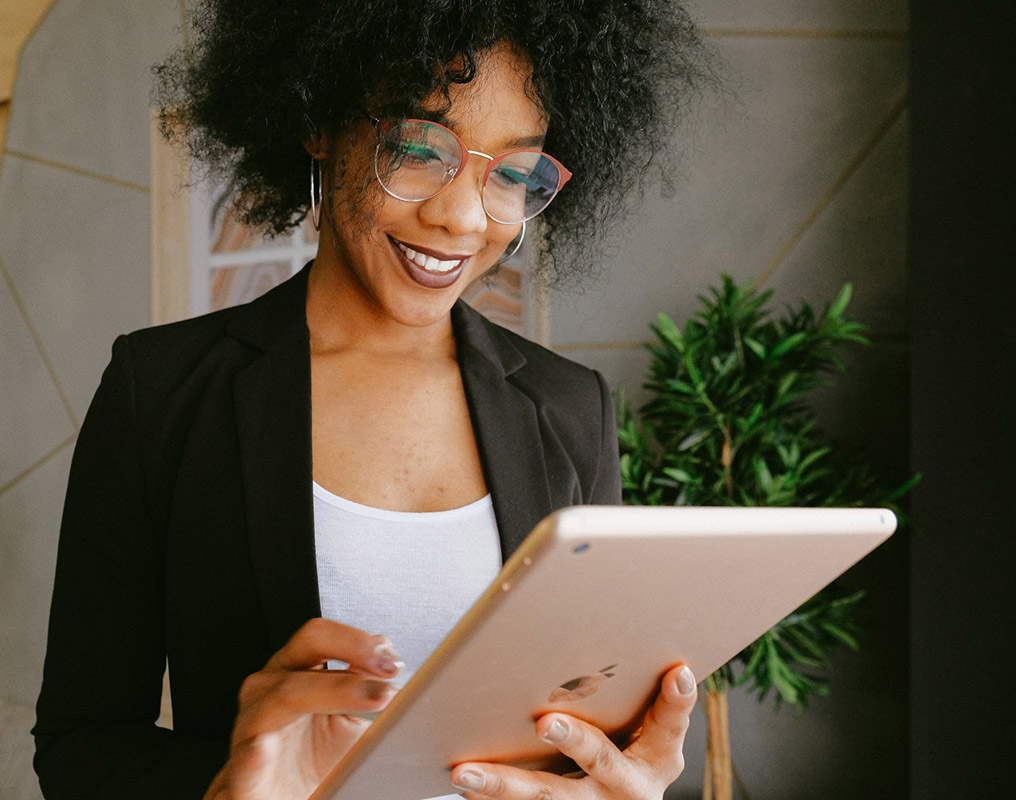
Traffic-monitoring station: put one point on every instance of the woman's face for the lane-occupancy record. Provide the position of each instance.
(491, 114)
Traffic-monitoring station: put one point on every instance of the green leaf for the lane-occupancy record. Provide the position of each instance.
(678, 475)
(693, 371)
(756, 347)
(788, 344)
(680, 386)
(813, 456)
(839, 633)
(669, 332)
(808, 643)
(756, 658)
(786, 383)
(690, 441)
(840, 304)
(765, 477)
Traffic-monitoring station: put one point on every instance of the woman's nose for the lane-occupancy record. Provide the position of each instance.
(459, 206)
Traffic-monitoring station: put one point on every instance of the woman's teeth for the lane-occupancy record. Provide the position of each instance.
(426, 262)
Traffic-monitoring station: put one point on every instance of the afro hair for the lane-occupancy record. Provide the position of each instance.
(261, 76)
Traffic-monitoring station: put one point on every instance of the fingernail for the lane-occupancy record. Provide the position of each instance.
(470, 780)
(557, 732)
(685, 681)
(386, 660)
(377, 690)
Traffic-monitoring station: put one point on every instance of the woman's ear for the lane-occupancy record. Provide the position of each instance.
(316, 145)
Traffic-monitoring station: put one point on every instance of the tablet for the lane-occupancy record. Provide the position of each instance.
(584, 618)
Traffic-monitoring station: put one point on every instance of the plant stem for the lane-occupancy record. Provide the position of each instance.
(719, 776)
(727, 461)
(719, 765)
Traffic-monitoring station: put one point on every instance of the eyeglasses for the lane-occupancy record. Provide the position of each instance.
(415, 159)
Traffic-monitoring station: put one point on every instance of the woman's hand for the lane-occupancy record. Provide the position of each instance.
(293, 725)
(643, 770)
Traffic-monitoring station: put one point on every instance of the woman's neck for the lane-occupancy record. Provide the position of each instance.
(343, 317)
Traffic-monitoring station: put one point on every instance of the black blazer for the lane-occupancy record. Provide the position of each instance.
(188, 526)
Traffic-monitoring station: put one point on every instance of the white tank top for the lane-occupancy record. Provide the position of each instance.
(410, 576)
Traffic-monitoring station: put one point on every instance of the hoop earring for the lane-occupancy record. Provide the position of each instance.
(518, 243)
(315, 193)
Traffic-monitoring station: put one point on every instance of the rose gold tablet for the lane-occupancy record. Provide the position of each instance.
(585, 617)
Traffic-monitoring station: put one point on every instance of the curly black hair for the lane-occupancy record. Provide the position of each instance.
(261, 76)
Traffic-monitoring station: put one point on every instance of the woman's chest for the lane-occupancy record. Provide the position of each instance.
(394, 434)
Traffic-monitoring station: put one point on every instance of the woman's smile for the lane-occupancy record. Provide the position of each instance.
(427, 267)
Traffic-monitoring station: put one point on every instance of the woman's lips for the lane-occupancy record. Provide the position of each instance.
(426, 268)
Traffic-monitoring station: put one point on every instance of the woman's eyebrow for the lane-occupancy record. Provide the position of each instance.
(529, 141)
(519, 143)
(432, 116)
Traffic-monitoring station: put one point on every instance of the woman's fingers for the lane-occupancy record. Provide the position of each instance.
(498, 782)
(319, 640)
(660, 742)
(270, 700)
(645, 769)
(586, 745)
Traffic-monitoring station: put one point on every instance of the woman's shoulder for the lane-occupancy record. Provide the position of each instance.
(574, 409)
(193, 333)
(512, 350)
(531, 367)
(227, 336)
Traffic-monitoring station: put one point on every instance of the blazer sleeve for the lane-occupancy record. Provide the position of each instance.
(606, 489)
(102, 682)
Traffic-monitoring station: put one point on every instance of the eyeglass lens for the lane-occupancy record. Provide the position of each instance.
(416, 159)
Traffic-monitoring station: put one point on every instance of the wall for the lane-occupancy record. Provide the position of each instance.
(963, 295)
(18, 19)
(796, 180)
(74, 250)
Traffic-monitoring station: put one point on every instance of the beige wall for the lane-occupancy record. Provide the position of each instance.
(18, 19)
(74, 272)
(796, 180)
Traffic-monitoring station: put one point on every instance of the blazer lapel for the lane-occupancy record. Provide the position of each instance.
(272, 405)
(506, 426)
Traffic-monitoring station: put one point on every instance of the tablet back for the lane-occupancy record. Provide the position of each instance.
(585, 618)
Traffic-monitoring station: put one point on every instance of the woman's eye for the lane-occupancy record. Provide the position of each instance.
(412, 154)
(509, 177)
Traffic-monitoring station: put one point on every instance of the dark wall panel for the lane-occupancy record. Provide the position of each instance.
(963, 356)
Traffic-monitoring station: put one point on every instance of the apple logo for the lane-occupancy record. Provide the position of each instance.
(579, 688)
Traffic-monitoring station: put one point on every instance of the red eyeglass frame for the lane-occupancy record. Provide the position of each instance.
(564, 173)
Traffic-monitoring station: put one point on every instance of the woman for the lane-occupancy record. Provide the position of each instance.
(254, 490)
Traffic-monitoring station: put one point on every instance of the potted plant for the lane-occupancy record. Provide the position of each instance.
(726, 424)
